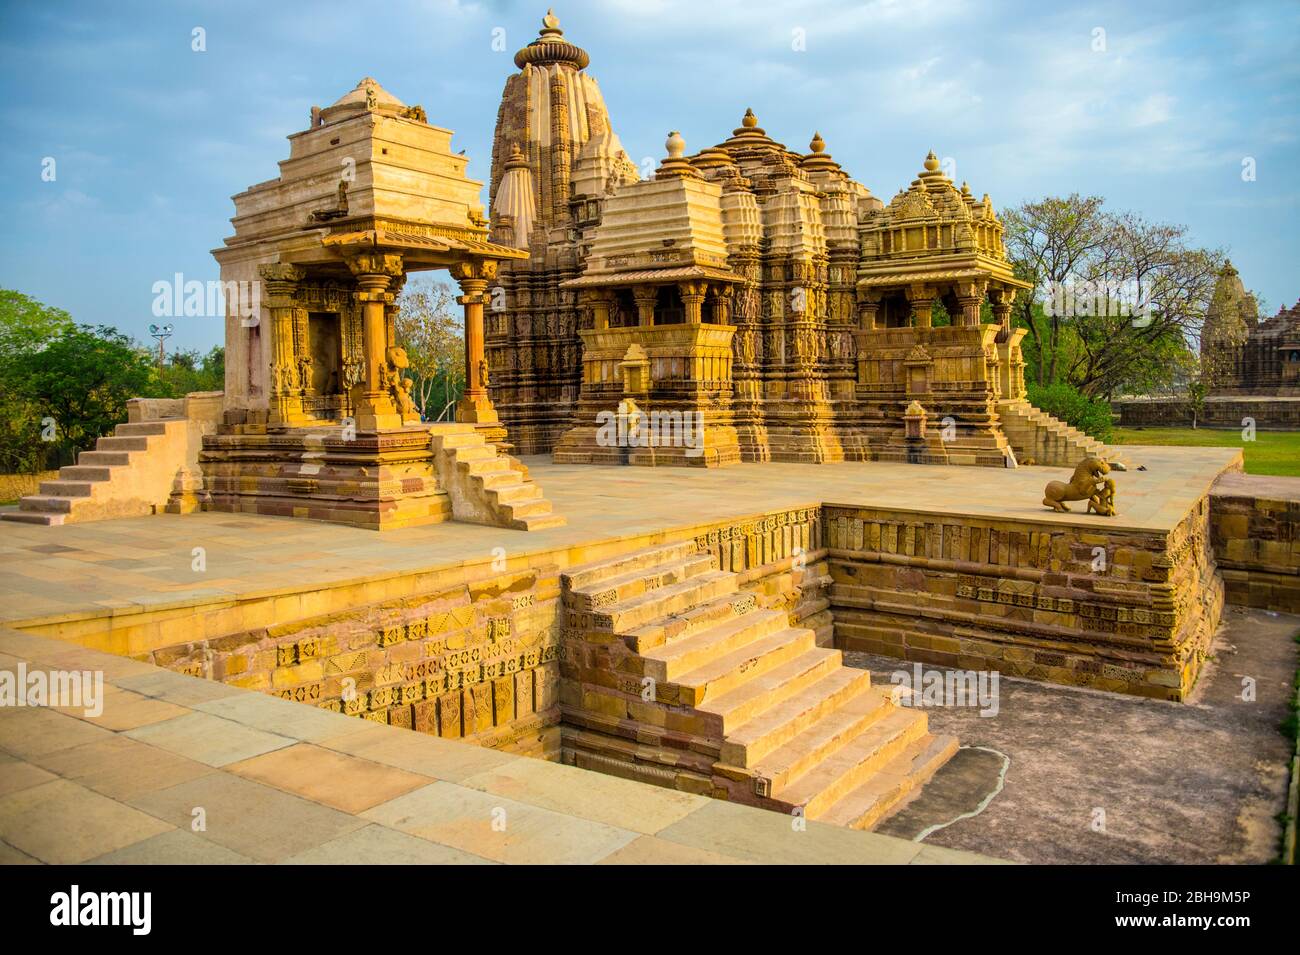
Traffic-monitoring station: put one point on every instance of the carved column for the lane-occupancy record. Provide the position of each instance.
(693, 301)
(868, 311)
(722, 304)
(645, 297)
(281, 281)
(1007, 345)
(600, 302)
(921, 298)
(475, 406)
(374, 407)
(970, 296)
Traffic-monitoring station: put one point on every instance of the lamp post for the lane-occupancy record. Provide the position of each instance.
(161, 333)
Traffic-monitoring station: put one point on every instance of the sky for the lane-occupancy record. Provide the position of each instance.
(1186, 112)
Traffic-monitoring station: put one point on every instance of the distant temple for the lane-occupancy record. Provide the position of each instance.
(1243, 355)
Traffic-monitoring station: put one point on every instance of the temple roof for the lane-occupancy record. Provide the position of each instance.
(551, 47)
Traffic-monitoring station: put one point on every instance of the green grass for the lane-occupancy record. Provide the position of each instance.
(1272, 452)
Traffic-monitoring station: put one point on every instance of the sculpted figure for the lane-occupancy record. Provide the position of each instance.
(1089, 478)
(1103, 500)
(405, 403)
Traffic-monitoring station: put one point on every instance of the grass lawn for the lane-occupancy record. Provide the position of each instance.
(1272, 452)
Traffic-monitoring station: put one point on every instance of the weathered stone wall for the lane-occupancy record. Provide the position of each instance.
(1122, 610)
(1255, 529)
(1270, 413)
(477, 661)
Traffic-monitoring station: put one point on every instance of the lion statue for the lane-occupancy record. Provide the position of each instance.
(1088, 482)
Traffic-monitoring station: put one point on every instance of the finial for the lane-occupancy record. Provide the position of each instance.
(551, 24)
(965, 190)
(818, 145)
(931, 161)
(675, 145)
(750, 120)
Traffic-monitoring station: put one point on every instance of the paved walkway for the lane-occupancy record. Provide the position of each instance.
(52, 573)
(180, 770)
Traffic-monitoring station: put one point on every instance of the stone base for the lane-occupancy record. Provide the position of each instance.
(1114, 609)
(719, 448)
(379, 480)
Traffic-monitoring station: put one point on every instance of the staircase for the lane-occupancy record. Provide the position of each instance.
(677, 677)
(487, 486)
(127, 475)
(1040, 439)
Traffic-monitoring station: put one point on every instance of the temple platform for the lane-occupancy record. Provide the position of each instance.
(64, 578)
(758, 577)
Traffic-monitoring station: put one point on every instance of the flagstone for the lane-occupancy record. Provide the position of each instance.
(61, 822)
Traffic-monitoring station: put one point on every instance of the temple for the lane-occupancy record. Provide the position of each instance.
(758, 293)
(745, 306)
(1244, 355)
(1249, 367)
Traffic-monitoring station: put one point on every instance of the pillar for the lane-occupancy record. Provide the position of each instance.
(285, 406)
(722, 304)
(921, 298)
(970, 296)
(692, 294)
(868, 312)
(374, 407)
(645, 297)
(473, 277)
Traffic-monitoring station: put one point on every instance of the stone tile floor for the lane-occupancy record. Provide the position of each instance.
(103, 567)
(179, 770)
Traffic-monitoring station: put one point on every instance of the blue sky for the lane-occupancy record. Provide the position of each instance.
(151, 138)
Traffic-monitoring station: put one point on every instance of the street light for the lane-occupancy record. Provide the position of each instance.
(161, 333)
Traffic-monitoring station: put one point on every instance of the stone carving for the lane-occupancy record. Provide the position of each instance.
(1103, 499)
(1089, 481)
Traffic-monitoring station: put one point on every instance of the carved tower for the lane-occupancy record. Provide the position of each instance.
(554, 159)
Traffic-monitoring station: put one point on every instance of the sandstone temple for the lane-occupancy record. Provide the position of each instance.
(1250, 366)
(720, 425)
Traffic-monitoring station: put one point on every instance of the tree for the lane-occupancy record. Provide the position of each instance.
(1117, 299)
(1049, 242)
(189, 370)
(26, 324)
(82, 380)
(428, 326)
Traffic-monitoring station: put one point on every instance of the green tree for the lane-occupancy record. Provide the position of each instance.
(26, 324)
(82, 380)
(428, 326)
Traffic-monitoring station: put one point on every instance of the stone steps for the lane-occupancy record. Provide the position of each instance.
(754, 658)
(585, 576)
(887, 788)
(784, 721)
(487, 486)
(813, 747)
(663, 601)
(671, 660)
(851, 759)
(128, 473)
(611, 590)
(744, 704)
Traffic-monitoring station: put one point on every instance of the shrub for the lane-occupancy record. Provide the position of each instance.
(1090, 415)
